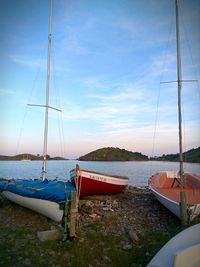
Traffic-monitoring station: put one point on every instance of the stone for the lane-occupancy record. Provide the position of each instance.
(49, 235)
(106, 258)
(133, 236)
(126, 246)
(27, 262)
(93, 216)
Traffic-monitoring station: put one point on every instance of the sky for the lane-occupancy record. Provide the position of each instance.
(108, 58)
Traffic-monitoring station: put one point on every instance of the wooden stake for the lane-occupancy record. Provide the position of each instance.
(183, 209)
(73, 214)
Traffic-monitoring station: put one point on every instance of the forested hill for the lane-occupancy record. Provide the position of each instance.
(28, 157)
(192, 155)
(113, 154)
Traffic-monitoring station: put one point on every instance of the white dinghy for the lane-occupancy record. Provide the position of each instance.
(183, 250)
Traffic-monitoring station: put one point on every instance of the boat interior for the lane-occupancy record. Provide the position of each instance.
(169, 185)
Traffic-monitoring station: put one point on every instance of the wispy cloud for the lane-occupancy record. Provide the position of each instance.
(23, 60)
(5, 92)
(37, 63)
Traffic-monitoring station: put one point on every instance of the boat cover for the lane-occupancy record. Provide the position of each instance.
(56, 191)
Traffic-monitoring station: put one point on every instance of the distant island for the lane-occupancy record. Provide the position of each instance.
(192, 155)
(117, 154)
(27, 157)
(113, 154)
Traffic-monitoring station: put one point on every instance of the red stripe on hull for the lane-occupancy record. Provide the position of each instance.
(94, 187)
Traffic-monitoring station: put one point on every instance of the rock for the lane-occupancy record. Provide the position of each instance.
(49, 235)
(133, 236)
(93, 216)
(27, 262)
(106, 258)
(51, 252)
(126, 246)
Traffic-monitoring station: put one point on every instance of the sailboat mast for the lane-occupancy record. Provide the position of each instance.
(179, 74)
(47, 96)
(183, 200)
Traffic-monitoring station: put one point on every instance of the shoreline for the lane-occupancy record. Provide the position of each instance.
(118, 230)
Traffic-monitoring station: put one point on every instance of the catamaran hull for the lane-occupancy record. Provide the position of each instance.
(47, 208)
(93, 183)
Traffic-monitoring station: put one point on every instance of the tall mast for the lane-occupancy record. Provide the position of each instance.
(47, 96)
(179, 74)
(183, 201)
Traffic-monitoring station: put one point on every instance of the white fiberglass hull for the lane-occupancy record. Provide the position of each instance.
(166, 187)
(47, 208)
(182, 250)
(171, 205)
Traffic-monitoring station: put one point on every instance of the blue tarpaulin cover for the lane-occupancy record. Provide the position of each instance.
(56, 191)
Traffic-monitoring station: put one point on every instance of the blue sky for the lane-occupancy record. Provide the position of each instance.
(108, 59)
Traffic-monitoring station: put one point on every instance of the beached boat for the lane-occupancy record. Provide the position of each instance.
(166, 187)
(95, 183)
(48, 198)
(182, 250)
(179, 192)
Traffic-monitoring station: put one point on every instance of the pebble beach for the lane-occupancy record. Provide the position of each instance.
(119, 230)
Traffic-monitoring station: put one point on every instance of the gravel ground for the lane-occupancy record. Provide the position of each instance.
(129, 216)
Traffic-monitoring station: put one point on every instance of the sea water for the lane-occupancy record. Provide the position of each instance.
(138, 172)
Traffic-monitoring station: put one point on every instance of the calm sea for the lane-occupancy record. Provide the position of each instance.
(138, 172)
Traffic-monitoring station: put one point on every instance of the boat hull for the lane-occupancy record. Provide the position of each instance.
(182, 250)
(47, 208)
(165, 186)
(45, 198)
(168, 203)
(93, 183)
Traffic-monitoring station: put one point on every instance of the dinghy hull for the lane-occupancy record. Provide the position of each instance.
(94, 183)
(166, 188)
(181, 250)
(44, 198)
(46, 208)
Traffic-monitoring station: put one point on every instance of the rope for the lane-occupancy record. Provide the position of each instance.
(28, 100)
(65, 215)
(59, 114)
(187, 42)
(158, 98)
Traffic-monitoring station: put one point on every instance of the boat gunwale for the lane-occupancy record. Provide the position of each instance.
(169, 199)
(99, 173)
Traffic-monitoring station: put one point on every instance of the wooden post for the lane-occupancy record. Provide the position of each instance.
(73, 214)
(65, 220)
(183, 209)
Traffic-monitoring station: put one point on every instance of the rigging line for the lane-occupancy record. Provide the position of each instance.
(26, 109)
(190, 51)
(59, 116)
(188, 44)
(58, 104)
(158, 98)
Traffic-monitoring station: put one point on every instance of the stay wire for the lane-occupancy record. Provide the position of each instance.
(59, 116)
(159, 92)
(26, 107)
(194, 67)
